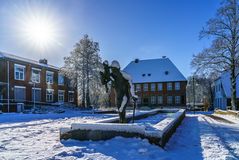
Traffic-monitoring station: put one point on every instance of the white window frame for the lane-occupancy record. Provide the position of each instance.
(177, 86)
(50, 81)
(33, 88)
(160, 86)
(61, 91)
(23, 72)
(138, 87)
(139, 100)
(71, 100)
(171, 101)
(61, 75)
(146, 87)
(51, 90)
(169, 86)
(177, 99)
(22, 87)
(153, 100)
(39, 77)
(160, 99)
(153, 87)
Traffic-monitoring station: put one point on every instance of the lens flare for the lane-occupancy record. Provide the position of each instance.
(40, 31)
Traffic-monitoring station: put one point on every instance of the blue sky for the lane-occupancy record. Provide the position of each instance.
(125, 29)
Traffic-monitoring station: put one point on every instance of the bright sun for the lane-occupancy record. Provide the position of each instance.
(40, 31)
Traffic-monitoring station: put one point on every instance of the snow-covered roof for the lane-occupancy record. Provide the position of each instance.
(154, 70)
(226, 84)
(14, 57)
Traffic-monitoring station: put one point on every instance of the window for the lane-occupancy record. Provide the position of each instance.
(49, 77)
(20, 93)
(146, 87)
(169, 99)
(36, 75)
(19, 72)
(61, 96)
(71, 96)
(153, 100)
(160, 86)
(60, 79)
(49, 95)
(138, 87)
(177, 86)
(36, 94)
(152, 86)
(139, 100)
(169, 87)
(160, 99)
(1, 93)
(177, 99)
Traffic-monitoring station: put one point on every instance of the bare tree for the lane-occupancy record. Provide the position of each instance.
(223, 53)
(83, 66)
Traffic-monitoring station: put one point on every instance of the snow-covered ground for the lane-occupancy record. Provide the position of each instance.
(231, 118)
(31, 136)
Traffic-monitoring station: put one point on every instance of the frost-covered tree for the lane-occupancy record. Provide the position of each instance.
(203, 90)
(223, 53)
(83, 66)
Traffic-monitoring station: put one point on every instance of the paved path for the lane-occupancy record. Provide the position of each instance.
(202, 137)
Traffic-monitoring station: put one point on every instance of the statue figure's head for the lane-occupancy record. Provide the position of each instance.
(106, 63)
(115, 64)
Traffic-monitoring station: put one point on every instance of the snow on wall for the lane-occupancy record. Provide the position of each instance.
(163, 126)
(156, 131)
(109, 127)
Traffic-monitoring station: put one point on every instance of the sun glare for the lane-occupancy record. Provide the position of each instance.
(40, 31)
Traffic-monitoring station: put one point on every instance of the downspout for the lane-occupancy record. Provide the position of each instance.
(8, 87)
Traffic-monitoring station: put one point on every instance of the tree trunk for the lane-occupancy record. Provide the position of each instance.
(233, 88)
(83, 94)
(88, 93)
(211, 94)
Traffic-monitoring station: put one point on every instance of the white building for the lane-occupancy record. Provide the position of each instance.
(222, 91)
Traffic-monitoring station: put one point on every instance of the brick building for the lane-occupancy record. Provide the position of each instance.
(28, 81)
(157, 82)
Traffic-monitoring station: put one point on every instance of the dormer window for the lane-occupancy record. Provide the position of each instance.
(143, 75)
(149, 74)
(166, 72)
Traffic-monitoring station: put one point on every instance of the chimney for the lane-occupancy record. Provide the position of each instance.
(43, 61)
(136, 60)
(163, 56)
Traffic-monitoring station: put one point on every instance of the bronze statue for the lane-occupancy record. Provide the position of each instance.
(121, 82)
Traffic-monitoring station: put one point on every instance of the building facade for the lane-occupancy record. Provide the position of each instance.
(157, 82)
(222, 91)
(27, 81)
